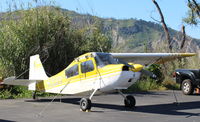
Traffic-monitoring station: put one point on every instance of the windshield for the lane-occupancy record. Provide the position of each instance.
(103, 59)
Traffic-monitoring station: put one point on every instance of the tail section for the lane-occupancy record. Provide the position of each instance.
(36, 71)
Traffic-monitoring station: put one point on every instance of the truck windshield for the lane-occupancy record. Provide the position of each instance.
(104, 59)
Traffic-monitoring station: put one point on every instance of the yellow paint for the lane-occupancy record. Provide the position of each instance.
(137, 67)
(173, 57)
(188, 54)
(37, 64)
(60, 79)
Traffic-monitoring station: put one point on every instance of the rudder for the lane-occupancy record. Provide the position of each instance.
(36, 71)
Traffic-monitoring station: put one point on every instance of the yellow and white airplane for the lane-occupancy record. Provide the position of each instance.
(94, 72)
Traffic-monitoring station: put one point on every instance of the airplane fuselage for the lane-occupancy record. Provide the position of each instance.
(76, 80)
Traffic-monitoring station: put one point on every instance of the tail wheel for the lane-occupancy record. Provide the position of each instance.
(85, 104)
(129, 101)
(187, 87)
(34, 95)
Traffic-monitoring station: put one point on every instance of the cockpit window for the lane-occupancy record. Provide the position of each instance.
(87, 66)
(73, 71)
(103, 59)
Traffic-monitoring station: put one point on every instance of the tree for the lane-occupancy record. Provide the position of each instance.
(193, 15)
(46, 31)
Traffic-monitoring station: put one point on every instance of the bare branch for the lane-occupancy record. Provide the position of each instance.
(184, 37)
(155, 20)
(167, 35)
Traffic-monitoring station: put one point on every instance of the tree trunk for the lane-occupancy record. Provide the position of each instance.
(184, 37)
(167, 35)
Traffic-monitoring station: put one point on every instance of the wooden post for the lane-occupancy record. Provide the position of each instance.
(1, 80)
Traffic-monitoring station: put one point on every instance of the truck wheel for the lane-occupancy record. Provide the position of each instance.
(187, 87)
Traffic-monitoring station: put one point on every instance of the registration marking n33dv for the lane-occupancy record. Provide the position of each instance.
(94, 72)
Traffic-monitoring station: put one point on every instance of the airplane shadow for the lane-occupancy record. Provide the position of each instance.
(170, 108)
(76, 101)
(165, 109)
(3, 120)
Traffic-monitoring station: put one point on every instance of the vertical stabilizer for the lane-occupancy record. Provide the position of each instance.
(36, 71)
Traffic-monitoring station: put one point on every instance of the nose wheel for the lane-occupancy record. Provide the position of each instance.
(129, 101)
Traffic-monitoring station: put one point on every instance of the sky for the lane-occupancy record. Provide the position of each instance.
(174, 10)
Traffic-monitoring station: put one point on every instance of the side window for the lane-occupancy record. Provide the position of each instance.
(99, 62)
(73, 71)
(87, 66)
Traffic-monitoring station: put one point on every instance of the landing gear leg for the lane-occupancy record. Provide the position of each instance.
(129, 100)
(34, 95)
(85, 103)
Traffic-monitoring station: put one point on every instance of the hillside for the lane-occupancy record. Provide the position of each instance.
(132, 35)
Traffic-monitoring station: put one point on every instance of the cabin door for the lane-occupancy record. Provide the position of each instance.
(88, 74)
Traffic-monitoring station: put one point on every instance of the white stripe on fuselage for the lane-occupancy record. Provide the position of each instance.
(104, 83)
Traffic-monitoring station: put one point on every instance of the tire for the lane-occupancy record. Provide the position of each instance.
(187, 87)
(129, 101)
(85, 104)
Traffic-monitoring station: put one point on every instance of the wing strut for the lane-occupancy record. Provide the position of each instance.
(53, 99)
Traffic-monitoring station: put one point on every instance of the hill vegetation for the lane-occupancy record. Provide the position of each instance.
(132, 35)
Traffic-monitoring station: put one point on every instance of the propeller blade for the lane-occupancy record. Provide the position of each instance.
(148, 73)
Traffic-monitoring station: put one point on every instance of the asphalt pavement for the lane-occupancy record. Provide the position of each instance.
(155, 106)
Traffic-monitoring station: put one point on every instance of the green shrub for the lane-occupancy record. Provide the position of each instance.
(145, 85)
(46, 31)
(157, 70)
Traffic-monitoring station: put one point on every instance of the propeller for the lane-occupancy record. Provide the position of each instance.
(148, 73)
(139, 68)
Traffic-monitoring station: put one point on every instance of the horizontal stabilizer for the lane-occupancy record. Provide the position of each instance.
(21, 82)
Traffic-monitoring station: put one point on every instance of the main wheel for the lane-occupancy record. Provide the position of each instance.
(85, 104)
(129, 101)
(187, 87)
